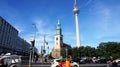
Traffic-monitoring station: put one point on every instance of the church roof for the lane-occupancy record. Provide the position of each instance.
(66, 45)
(58, 29)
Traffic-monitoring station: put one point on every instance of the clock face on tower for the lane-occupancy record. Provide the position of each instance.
(58, 32)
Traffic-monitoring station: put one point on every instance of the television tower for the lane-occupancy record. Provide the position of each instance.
(76, 12)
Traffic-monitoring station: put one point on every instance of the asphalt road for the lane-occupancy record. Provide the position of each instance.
(81, 65)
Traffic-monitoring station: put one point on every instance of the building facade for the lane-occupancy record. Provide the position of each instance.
(10, 42)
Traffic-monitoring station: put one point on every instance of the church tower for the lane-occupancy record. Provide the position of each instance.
(58, 37)
(58, 42)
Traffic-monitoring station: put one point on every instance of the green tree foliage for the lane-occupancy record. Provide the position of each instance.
(105, 49)
(109, 48)
(63, 53)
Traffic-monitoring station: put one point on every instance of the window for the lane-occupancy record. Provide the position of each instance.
(56, 38)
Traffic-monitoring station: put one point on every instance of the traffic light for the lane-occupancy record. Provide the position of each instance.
(33, 43)
(44, 51)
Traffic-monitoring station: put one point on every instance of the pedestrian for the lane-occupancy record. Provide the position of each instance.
(67, 63)
(35, 59)
(45, 60)
(70, 57)
(111, 61)
(1, 63)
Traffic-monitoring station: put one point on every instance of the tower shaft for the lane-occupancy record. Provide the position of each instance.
(77, 31)
(76, 12)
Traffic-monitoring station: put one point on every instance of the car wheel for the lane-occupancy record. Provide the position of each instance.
(13, 65)
(75, 66)
(57, 66)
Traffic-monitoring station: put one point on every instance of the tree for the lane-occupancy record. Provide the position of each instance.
(109, 48)
(105, 49)
(63, 53)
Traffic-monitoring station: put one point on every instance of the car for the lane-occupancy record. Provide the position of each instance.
(61, 62)
(117, 60)
(8, 60)
(79, 60)
(100, 60)
(55, 63)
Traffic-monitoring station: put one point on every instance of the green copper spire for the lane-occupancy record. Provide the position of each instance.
(58, 30)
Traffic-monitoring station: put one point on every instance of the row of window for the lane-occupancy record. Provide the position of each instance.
(9, 38)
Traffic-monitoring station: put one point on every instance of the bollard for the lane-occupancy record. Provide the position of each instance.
(29, 65)
(67, 63)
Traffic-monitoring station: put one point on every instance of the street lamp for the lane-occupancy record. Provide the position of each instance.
(32, 46)
(43, 51)
(66, 52)
(48, 50)
(33, 41)
(30, 57)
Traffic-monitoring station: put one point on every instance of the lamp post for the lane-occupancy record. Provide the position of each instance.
(30, 57)
(33, 42)
(48, 50)
(66, 52)
(43, 51)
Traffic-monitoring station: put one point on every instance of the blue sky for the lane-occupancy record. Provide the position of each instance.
(99, 20)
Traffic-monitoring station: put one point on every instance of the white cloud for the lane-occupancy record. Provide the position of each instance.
(85, 3)
(43, 28)
(104, 23)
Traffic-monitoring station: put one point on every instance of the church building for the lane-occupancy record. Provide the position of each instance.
(58, 42)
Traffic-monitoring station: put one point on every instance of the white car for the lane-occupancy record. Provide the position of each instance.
(9, 60)
(57, 62)
(117, 60)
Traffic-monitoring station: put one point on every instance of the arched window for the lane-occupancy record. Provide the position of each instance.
(56, 38)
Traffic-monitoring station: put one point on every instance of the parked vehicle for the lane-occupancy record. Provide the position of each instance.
(79, 60)
(117, 60)
(8, 60)
(99, 60)
(103, 60)
(61, 62)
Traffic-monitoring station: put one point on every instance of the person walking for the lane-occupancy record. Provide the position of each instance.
(112, 62)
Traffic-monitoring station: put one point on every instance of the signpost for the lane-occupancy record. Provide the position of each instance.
(66, 52)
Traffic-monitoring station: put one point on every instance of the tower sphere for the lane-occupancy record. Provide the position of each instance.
(76, 10)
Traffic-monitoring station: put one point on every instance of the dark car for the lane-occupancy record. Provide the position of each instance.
(102, 60)
(79, 60)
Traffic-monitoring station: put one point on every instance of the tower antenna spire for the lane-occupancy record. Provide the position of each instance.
(75, 1)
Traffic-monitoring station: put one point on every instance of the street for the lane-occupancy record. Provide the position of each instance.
(81, 65)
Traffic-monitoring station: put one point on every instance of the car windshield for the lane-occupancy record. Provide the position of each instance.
(61, 60)
(58, 60)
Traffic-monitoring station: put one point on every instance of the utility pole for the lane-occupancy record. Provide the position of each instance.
(30, 57)
(33, 42)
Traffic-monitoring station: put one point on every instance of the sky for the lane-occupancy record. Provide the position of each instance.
(99, 20)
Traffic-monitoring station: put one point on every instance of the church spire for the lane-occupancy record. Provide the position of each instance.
(58, 25)
(58, 29)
